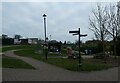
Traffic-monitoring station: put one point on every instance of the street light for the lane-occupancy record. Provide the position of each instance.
(45, 25)
(45, 33)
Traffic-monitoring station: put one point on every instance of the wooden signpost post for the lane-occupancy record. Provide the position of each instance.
(79, 35)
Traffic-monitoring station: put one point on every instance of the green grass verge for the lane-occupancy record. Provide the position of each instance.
(0, 58)
(0, 62)
(69, 64)
(0, 50)
(8, 62)
(14, 47)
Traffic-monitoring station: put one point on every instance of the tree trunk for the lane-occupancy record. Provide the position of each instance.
(115, 48)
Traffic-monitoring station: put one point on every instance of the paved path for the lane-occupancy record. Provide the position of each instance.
(47, 72)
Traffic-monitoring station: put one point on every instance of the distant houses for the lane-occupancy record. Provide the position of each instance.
(16, 41)
(26, 41)
(32, 40)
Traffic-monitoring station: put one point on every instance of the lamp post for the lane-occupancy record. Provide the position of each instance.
(44, 16)
(45, 25)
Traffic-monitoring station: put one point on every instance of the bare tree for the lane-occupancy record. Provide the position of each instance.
(118, 17)
(113, 25)
(98, 23)
(105, 23)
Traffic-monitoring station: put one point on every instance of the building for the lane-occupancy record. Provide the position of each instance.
(17, 41)
(26, 41)
(32, 40)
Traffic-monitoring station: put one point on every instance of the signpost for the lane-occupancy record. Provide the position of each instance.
(79, 35)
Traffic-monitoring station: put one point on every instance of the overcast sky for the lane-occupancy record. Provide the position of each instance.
(26, 19)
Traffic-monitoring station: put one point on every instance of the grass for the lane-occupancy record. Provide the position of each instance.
(0, 62)
(0, 50)
(8, 62)
(0, 58)
(19, 47)
(69, 64)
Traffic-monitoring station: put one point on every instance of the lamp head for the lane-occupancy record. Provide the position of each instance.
(44, 15)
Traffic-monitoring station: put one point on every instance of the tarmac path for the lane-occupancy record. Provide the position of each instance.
(48, 72)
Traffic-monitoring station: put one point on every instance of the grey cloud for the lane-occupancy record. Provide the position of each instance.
(25, 18)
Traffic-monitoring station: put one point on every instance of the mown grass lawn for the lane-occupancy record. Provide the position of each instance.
(15, 47)
(69, 64)
(0, 50)
(8, 62)
(0, 58)
(0, 62)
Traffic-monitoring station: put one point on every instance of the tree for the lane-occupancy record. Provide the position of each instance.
(60, 42)
(4, 36)
(113, 26)
(77, 42)
(68, 42)
(118, 22)
(118, 16)
(98, 23)
(65, 43)
(17, 36)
